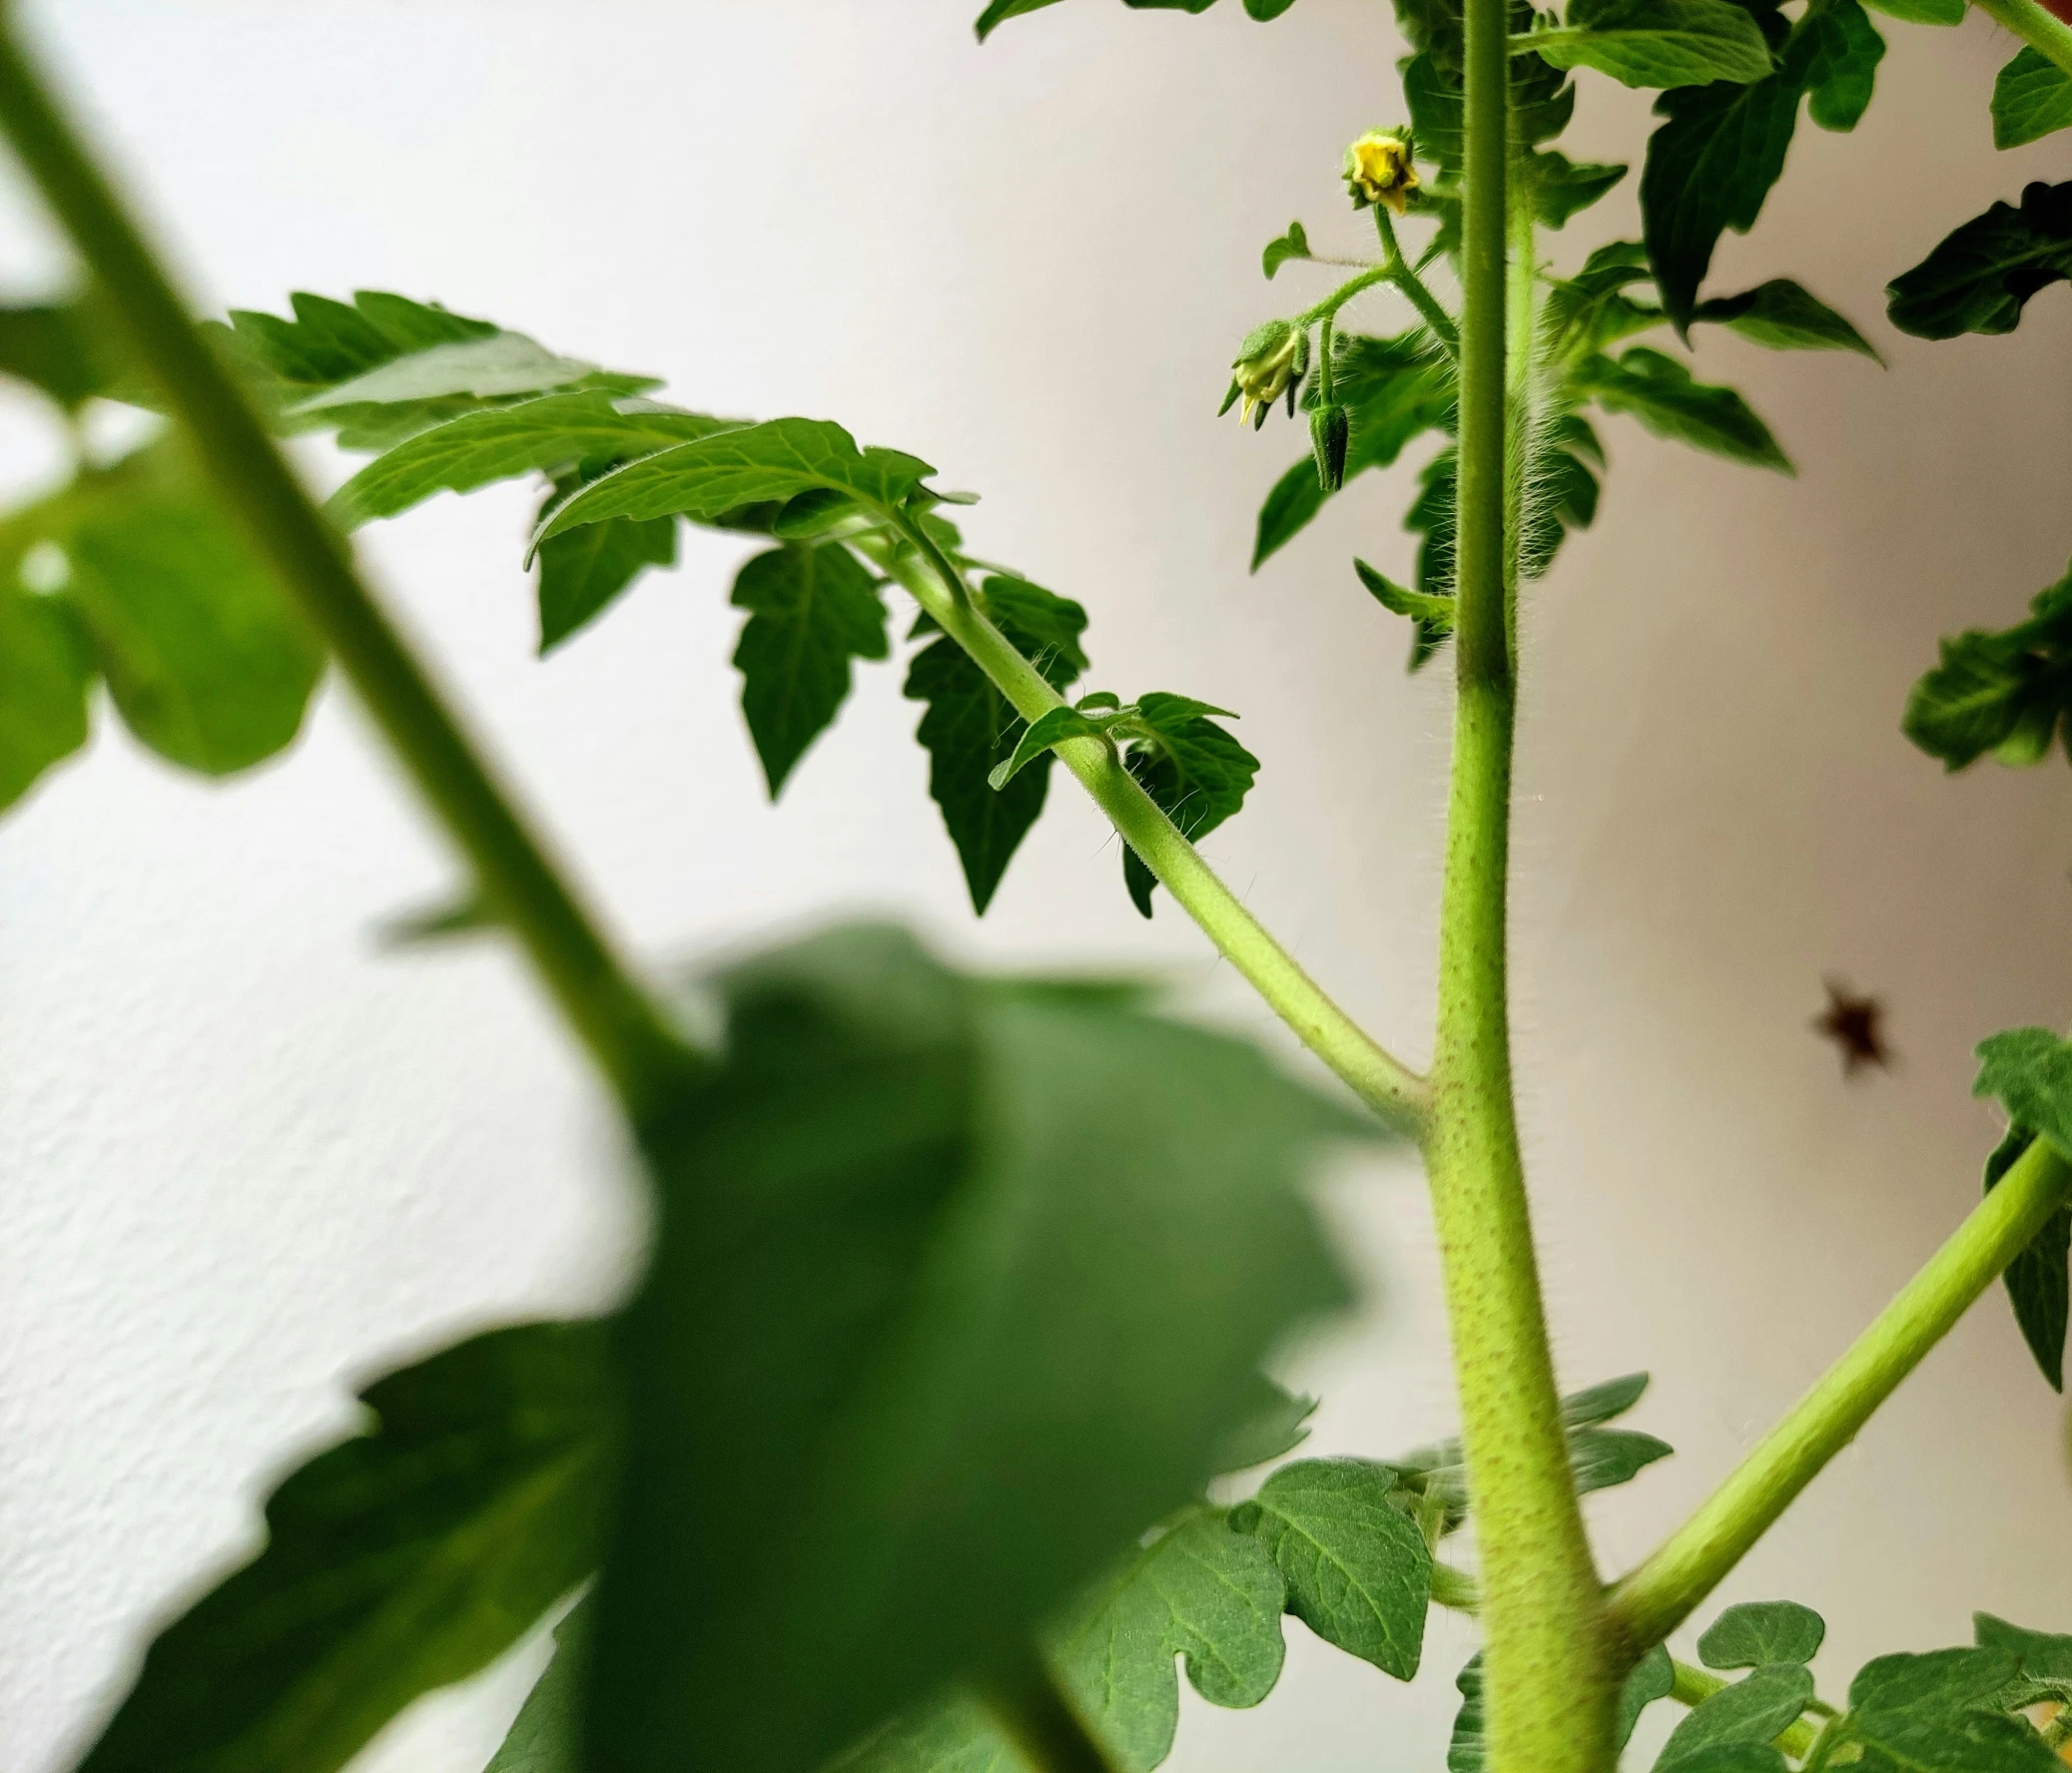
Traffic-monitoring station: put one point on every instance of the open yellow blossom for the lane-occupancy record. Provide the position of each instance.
(1379, 170)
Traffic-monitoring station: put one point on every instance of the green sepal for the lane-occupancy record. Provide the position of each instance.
(1981, 275)
(2032, 98)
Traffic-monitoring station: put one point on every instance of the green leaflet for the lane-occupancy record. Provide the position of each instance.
(2032, 99)
(1653, 1677)
(1046, 731)
(811, 611)
(1937, 1710)
(1979, 278)
(1195, 771)
(1199, 1591)
(1784, 316)
(1751, 1710)
(384, 366)
(2037, 1281)
(1358, 1571)
(1657, 42)
(2046, 1657)
(984, 1292)
(710, 476)
(971, 728)
(1562, 188)
(542, 1737)
(1664, 396)
(442, 920)
(1590, 310)
(1435, 613)
(2030, 1070)
(1761, 1631)
(552, 432)
(45, 672)
(1292, 244)
(2003, 692)
(1722, 145)
(398, 1562)
(1276, 1423)
(583, 572)
(60, 348)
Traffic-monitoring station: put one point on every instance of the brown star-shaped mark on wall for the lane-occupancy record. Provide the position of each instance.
(1853, 1023)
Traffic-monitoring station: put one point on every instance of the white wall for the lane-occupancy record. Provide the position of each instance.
(243, 1155)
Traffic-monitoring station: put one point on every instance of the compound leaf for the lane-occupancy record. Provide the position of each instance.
(2032, 99)
(1761, 1631)
(811, 611)
(1358, 1570)
(1664, 396)
(402, 1560)
(1195, 771)
(1979, 278)
(1784, 316)
(1661, 42)
(954, 1290)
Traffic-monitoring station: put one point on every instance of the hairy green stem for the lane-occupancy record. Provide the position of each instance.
(1405, 278)
(615, 1020)
(2043, 31)
(1694, 1686)
(1548, 1675)
(1658, 1595)
(1389, 1087)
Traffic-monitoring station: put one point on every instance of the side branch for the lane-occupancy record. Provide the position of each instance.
(1383, 1083)
(608, 1010)
(1658, 1596)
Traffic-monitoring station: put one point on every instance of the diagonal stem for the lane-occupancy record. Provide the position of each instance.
(2043, 31)
(1648, 1604)
(608, 1010)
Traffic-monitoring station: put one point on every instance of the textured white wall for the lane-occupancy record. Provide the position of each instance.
(243, 1155)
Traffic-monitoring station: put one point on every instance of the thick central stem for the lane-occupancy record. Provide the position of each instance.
(1548, 1670)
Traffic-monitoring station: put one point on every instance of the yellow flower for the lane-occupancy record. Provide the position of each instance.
(1378, 170)
(1271, 360)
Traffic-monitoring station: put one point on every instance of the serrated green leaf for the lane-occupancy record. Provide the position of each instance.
(1784, 316)
(1760, 1631)
(1467, 1750)
(1400, 600)
(1201, 1592)
(1755, 1710)
(1664, 396)
(811, 611)
(1275, 1422)
(1841, 65)
(552, 431)
(1292, 244)
(205, 658)
(712, 475)
(1048, 730)
(2032, 98)
(1590, 310)
(1933, 1711)
(1981, 275)
(1657, 42)
(985, 1290)
(402, 1560)
(1433, 98)
(583, 572)
(2038, 1283)
(543, 1736)
(970, 728)
(1358, 1570)
(1562, 188)
(1197, 773)
(45, 672)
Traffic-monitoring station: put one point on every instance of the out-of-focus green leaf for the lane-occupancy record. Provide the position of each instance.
(1292, 244)
(1277, 1421)
(61, 349)
(1784, 316)
(2003, 692)
(953, 1291)
(1664, 396)
(45, 672)
(402, 1560)
(1657, 42)
(1981, 275)
(543, 1736)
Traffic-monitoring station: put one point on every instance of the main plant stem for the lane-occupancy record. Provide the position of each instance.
(613, 1017)
(2043, 31)
(1546, 1673)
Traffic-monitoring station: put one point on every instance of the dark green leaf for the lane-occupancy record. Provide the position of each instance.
(1661, 394)
(582, 572)
(542, 1737)
(1980, 276)
(712, 475)
(1434, 100)
(1292, 244)
(2031, 99)
(1400, 600)
(45, 672)
(1562, 188)
(206, 661)
(2037, 1281)
(1201, 1592)
(1784, 316)
(61, 349)
(402, 1560)
(1932, 1711)
(1998, 691)
(1841, 64)
(953, 1291)
(970, 728)
(1468, 1749)
(1653, 1677)
(1657, 42)
(552, 431)
(811, 611)
(1048, 730)
(1192, 768)
(1753, 1709)
(1567, 486)
(1276, 1423)
(1760, 1631)
(1358, 1570)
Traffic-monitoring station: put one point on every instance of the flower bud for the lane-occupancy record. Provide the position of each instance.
(1379, 170)
(1329, 433)
(1272, 361)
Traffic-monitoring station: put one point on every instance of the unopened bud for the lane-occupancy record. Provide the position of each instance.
(1329, 433)
(1379, 169)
